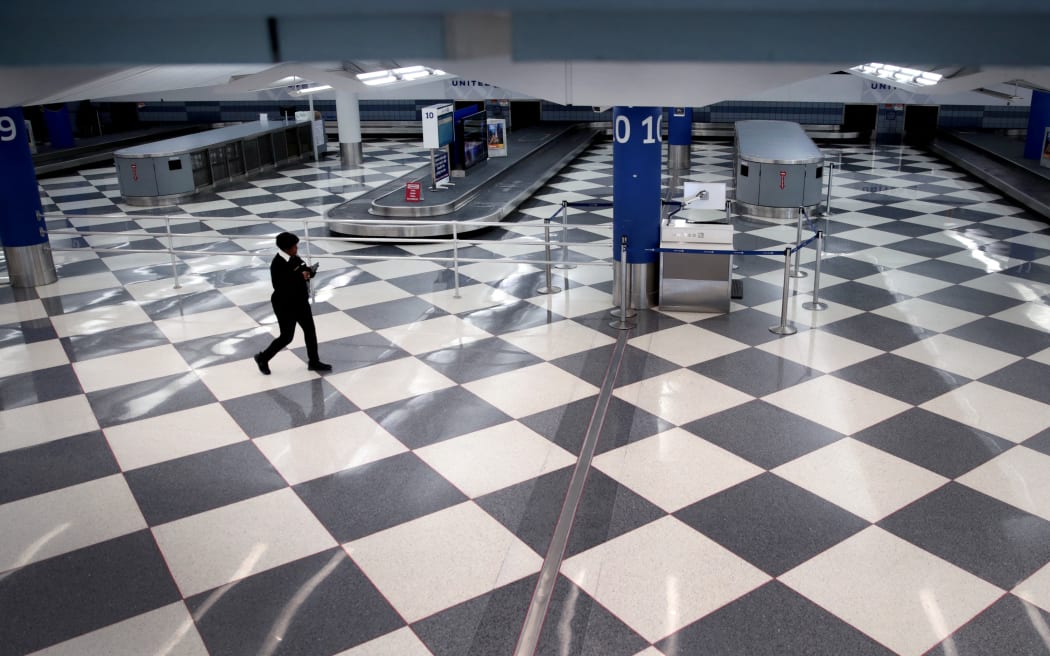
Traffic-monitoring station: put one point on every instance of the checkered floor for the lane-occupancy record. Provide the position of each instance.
(875, 484)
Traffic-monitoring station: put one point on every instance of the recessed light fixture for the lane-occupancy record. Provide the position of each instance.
(402, 74)
(308, 90)
(899, 75)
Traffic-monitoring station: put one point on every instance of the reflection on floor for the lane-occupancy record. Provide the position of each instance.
(875, 484)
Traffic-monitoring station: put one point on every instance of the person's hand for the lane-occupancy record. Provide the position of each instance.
(306, 274)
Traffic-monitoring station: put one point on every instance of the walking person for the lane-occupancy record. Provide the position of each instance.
(291, 303)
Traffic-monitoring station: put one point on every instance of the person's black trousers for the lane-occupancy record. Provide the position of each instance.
(287, 317)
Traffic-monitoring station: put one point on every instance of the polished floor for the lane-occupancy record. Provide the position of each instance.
(878, 483)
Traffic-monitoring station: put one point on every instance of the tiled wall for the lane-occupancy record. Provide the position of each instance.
(815, 113)
(968, 116)
(216, 112)
(723, 112)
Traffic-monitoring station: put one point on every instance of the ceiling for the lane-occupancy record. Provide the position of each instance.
(584, 52)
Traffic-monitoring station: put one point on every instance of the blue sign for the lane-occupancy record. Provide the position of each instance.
(680, 126)
(440, 165)
(21, 214)
(637, 163)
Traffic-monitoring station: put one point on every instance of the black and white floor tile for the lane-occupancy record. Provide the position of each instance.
(874, 484)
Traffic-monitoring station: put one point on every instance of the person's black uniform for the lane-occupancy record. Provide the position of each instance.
(291, 303)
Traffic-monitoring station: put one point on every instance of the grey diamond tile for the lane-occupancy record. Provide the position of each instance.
(771, 523)
(429, 418)
(763, 433)
(357, 502)
(994, 540)
(901, 378)
(771, 621)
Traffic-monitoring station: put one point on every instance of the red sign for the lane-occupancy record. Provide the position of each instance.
(135, 172)
(783, 175)
(413, 192)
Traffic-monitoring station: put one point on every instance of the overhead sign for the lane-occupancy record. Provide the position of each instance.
(437, 125)
(461, 89)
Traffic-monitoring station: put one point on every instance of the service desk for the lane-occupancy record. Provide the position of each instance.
(696, 282)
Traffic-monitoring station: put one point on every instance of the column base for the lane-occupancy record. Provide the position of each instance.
(645, 290)
(679, 157)
(30, 266)
(350, 155)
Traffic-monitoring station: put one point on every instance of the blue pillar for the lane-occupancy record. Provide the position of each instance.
(679, 137)
(1038, 122)
(637, 154)
(59, 128)
(23, 231)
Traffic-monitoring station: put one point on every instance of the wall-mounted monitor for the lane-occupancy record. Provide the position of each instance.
(475, 139)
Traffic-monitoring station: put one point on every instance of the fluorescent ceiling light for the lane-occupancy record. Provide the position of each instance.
(899, 74)
(403, 74)
(389, 79)
(308, 90)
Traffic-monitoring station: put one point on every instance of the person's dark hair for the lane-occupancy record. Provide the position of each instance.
(286, 240)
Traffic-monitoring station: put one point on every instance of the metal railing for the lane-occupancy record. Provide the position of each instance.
(456, 242)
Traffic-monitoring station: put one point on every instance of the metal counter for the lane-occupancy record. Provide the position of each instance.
(778, 169)
(696, 282)
(173, 170)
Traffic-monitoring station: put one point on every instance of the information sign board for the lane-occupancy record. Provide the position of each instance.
(413, 191)
(437, 125)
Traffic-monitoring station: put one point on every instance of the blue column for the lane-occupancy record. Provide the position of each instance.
(637, 153)
(23, 231)
(680, 126)
(59, 128)
(679, 137)
(1038, 122)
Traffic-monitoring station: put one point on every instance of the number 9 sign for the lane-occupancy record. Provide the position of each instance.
(8, 129)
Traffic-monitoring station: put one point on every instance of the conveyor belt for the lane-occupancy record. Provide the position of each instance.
(489, 192)
(101, 149)
(716, 130)
(997, 169)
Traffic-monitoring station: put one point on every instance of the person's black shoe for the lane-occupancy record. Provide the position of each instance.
(263, 367)
(319, 366)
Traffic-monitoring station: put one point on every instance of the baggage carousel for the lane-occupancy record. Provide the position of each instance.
(489, 192)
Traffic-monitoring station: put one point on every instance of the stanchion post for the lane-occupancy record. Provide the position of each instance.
(816, 303)
(798, 273)
(625, 299)
(831, 178)
(455, 258)
(171, 251)
(729, 219)
(549, 288)
(784, 328)
(565, 238)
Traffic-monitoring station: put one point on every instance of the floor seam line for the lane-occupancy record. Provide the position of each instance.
(528, 638)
